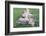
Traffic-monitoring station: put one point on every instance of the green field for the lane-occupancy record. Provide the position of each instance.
(17, 12)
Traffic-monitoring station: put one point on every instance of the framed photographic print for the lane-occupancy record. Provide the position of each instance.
(24, 17)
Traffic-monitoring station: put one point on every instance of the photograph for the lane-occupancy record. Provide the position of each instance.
(25, 17)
